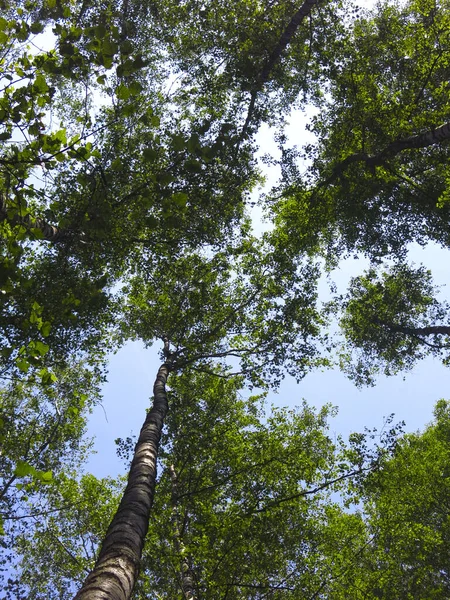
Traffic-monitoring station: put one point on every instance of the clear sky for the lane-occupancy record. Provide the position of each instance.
(411, 397)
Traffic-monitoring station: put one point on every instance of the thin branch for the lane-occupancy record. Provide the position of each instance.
(318, 488)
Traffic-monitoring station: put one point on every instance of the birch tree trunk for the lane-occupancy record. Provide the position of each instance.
(118, 563)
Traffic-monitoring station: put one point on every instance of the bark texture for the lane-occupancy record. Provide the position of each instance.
(118, 563)
(431, 330)
(186, 575)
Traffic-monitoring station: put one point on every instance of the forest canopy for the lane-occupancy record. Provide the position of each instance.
(129, 171)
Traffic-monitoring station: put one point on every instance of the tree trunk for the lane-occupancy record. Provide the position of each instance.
(51, 233)
(118, 563)
(287, 36)
(186, 575)
(276, 53)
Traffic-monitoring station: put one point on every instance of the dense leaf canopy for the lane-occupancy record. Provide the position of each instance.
(128, 174)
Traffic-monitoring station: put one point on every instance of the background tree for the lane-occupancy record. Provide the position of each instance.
(42, 432)
(390, 321)
(405, 510)
(55, 547)
(252, 494)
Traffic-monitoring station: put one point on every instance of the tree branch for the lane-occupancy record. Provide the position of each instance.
(423, 140)
(281, 46)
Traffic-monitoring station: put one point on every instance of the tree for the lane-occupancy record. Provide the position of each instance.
(81, 175)
(244, 503)
(56, 546)
(139, 227)
(219, 316)
(250, 501)
(42, 432)
(378, 176)
(390, 321)
(405, 510)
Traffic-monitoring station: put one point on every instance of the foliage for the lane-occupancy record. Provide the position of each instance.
(253, 496)
(390, 321)
(252, 511)
(127, 159)
(379, 169)
(404, 551)
(242, 303)
(42, 433)
(57, 545)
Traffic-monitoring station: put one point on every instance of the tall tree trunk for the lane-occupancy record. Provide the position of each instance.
(186, 575)
(118, 563)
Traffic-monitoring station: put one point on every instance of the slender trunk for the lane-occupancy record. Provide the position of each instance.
(287, 36)
(281, 46)
(118, 563)
(7, 485)
(186, 575)
(428, 138)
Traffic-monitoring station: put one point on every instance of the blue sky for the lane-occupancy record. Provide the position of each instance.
(411, 396)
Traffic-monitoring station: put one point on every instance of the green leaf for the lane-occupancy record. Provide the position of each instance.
(40, 84)
(36, 307)
(150, 154)
(24, 469)
(180, 198)
(37, 233)
(23, 365)
(36, 27)
(178, 142)
(135, 88)
(44, 476)
(46, 328)
(47, 377)
(109, 48)
(100, 32)
(41, 348)
(123, 92)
